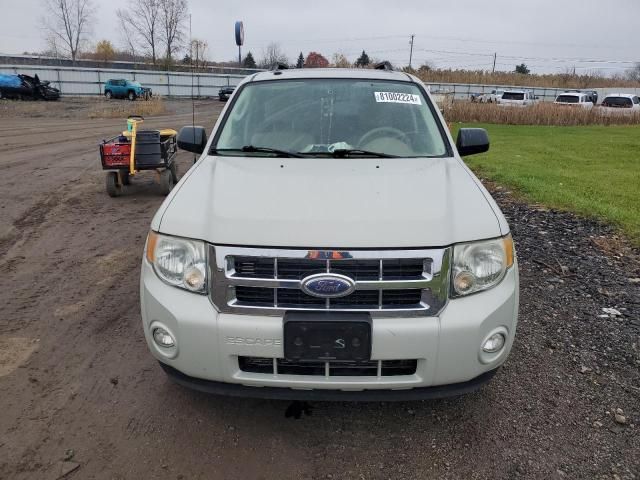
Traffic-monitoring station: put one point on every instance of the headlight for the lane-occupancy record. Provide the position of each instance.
(481, 265)
(180, 262)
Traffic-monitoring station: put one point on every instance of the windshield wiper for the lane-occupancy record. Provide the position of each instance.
(254, 149)
(345, 152)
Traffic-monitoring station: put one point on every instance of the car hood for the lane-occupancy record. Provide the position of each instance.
(330, 203)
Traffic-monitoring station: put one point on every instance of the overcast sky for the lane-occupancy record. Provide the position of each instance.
(547, 35)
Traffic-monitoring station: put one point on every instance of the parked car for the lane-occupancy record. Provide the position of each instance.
(25, 87)
(592, 95)
(330, 243)
(225, 92)
(491, 97)
(122, 88)
(574, 99)
(621, 101)
(517, 98)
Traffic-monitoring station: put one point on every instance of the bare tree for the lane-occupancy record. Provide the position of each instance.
(633, 74)
(68, 24)
(174, 14)
(272, 56)
(128, 35)
(144, 24)
(198, 53)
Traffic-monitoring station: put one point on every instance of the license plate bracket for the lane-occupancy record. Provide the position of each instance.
(327, 337)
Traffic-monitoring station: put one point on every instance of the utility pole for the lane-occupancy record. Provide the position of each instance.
(495, 56)
(411, 50)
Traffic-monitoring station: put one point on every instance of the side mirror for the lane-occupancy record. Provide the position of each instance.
(472, 141)
(192, 139)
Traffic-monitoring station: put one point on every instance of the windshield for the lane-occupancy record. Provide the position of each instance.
(567, 99)
(513, 96)
(316, 117)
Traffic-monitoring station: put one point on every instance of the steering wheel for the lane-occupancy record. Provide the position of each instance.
(383, 132)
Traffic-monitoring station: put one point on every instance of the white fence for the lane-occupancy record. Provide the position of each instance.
(90, 81)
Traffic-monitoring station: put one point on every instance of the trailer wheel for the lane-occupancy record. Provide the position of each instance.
(166, 181)
(131, 96)
(113, 189)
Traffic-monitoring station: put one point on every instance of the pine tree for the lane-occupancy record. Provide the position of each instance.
(363, 60)
(300, 62)
(249, 61)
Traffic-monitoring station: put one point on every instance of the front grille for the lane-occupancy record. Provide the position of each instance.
(358, 299)
(270, 281)
(373, 368)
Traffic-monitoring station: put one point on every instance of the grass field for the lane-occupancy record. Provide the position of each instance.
(593, 171)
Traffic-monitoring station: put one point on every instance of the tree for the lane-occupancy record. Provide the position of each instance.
(363, 60)
(105, 51)
(67, 24)
(273, 56)
(316, 60)
(633, 74)
(523, 69)
(128, 35)
(198, 53)
(173, 14)
(300, 62)
(249, 61)
(340, 61)
(144, 25)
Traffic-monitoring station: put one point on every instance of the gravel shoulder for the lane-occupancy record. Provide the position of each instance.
(81, 394)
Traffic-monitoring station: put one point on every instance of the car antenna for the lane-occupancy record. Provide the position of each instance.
(193, 101)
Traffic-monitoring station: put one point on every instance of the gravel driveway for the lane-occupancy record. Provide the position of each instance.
(79, 393)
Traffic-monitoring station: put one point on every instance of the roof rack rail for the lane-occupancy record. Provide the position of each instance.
(386, 65)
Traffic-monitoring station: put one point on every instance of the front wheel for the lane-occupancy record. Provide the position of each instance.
(114, 189)
(131, 96)
(107, 95)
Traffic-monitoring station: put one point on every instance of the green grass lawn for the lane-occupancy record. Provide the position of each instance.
(593, 171)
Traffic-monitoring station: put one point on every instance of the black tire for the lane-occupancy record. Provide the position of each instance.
(126, 178)
(1, 95)
(107, 95)
(174, 172)
(131, 95)
(166, 181)
(113, 188)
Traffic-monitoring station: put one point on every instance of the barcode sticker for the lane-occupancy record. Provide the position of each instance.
(394, 97)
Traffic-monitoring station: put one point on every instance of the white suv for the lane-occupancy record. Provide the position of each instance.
(575, 99)
(517, 98)
(621, 102)
(330, 243)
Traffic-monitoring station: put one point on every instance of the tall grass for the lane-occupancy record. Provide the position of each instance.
(560, 80)
(539, 114)
(124, 108)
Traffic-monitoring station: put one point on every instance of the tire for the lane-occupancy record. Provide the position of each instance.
(1, 95)
(166, 181)
(113, 188)
(126, 178)
(174, 172)
(131, 96)
(107, 95)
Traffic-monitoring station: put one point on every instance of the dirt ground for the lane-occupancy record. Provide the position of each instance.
(80, 395)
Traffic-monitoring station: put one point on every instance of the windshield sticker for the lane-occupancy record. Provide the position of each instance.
(394, 97)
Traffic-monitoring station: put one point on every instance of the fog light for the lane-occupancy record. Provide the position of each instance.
(494, 343)
(163, 338)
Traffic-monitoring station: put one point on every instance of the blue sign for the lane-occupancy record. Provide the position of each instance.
(239, 33)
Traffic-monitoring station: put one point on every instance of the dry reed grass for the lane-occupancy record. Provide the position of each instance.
(124, 108)
(540, 114)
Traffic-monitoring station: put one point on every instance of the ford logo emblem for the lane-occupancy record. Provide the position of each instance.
(328, 285)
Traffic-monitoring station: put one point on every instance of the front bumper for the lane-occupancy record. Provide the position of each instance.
(447, 347)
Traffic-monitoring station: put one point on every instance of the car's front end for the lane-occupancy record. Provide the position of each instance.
(225, 93)
(329, 274)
